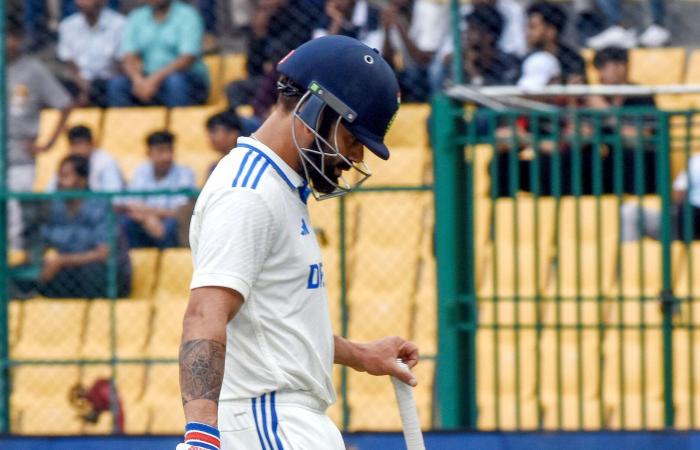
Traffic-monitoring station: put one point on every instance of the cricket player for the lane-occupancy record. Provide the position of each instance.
(257, 347)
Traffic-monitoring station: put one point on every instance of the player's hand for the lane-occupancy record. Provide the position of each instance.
(200, 436)
(379, 358)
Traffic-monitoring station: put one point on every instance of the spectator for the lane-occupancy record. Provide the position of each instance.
(30, 87)
(634, 128)
(637, 221)
(161, 52)
(353, 18)
(277, 27)
(405, 36)
(512, 39)
(104, 170)
(151, 221)
(484, 64)
(88, 42)
(546, 23)
(224, 129)
(78, 230)
(656, 35)
(35, 18)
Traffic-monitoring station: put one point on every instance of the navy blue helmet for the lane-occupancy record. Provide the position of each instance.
(352, 79)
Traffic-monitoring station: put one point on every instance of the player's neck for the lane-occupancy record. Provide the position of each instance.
(276, 133)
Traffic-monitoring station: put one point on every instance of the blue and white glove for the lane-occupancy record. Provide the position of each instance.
(200, 436)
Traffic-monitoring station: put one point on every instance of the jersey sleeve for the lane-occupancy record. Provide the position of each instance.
(235, 237)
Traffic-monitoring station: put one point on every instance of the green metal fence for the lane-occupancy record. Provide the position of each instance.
(565, 268)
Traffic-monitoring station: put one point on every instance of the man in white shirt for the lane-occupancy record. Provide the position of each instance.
(637, 221)
(257, 347)
(88, 42)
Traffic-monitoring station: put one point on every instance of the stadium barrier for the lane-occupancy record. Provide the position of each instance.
(566, 268)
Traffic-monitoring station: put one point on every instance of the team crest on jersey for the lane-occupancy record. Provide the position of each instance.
(304, 228)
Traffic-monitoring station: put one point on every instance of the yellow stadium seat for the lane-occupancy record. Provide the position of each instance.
(175, 274)
(382, 214)
(570, 367)
(47, 163)
(215, 68)
(588, 219)
(410, 128)
(506, 377)
(640, 268)
(372, 403)
(125, 131)
(51, 329)
(143, 277)
(167, 328)
(687, 275)
(686, 369)
(481, 156)
(383, 271)
(40, 400)
(632, 377)
(508, 413)
(563, 414)
(15, 311)
(192, 142)
(591, 73)
(518, 259)
(234, 68)
(131, 384)
(16, 257)
(133, 322)
(657, 65)
(162, 395)
(408, 167)
(376, 315)
(424, 323)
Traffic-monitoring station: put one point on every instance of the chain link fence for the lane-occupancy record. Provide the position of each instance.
(101, 95)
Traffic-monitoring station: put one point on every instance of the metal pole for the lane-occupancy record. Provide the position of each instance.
(453, 360)
(457, 42)
(4, 300)
(667, 298)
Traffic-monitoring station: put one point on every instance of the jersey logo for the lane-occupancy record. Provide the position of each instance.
(315, 276)
(304, 228)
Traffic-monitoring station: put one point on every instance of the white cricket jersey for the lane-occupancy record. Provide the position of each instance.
(250, 232)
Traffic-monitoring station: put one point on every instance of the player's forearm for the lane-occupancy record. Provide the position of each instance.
(347, 353)
(201, 376)
(203, 351)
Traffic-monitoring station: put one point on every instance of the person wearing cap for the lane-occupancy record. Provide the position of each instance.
(257, 348)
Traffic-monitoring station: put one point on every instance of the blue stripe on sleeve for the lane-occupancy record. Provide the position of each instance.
(250, 171)
(260, 172)
(240, 168)
(257, 426)
(274, 422)
(264, 421)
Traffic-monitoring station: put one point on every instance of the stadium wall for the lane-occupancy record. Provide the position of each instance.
(394, 441)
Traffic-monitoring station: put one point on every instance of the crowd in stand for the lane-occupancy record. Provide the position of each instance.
(153, 56)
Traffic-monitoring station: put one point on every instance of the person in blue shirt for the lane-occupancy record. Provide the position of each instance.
(78, 233)
(161, 57)
(151, 221)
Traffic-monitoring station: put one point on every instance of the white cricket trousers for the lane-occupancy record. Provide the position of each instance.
(277, 421)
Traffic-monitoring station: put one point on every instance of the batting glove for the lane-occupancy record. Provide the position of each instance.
(200, 436)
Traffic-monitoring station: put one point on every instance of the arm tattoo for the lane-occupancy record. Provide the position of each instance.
(201, 369)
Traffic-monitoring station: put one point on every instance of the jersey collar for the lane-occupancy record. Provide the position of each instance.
(289, 175)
